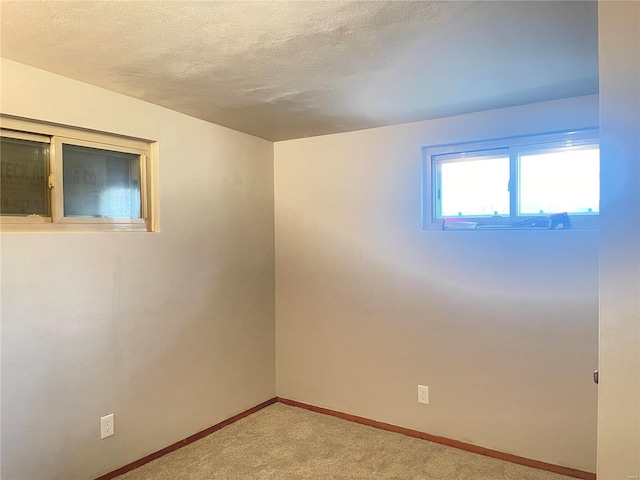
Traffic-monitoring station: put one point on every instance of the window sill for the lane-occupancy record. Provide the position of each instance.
(71, 227)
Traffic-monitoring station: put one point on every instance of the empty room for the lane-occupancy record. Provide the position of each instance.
(320, 240)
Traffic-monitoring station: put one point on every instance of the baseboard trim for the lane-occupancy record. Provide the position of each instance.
(570, 472)
(549, 467)
(184, 442)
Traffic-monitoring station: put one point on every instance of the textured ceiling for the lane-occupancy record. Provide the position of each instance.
(283, 69)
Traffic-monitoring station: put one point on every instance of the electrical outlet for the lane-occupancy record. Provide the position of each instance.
(106, 426)
(423, 394)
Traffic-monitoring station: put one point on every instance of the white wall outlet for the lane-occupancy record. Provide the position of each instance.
(106, 426)
(423, 394)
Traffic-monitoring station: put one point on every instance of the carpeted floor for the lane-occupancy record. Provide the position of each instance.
(288, 443)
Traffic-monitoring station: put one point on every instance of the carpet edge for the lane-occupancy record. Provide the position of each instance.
(508, 457)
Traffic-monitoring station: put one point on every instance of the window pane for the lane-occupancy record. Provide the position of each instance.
(565, 180)
(100, 183)
(23, 177)
(474, 186)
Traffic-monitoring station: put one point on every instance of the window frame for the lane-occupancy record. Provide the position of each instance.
(515, 146)
(58, 136)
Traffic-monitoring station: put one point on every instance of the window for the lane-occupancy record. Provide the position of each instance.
(518, 182)
(60, 178)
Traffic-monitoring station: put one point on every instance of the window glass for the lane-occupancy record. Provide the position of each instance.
(474, 185)
(100, 183)
(23, 177)
(566, 180)
(513, 182)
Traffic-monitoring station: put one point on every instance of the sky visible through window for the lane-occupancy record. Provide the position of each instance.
(561, 181)
(475, 187)
(550, 181)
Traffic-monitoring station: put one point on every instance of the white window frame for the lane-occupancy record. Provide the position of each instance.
(57, 136)
(431, 220)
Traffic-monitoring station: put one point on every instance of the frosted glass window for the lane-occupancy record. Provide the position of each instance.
(474, 186)
(100, 183)
(566, 180)
(23, 177)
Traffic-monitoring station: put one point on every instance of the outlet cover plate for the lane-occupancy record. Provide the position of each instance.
(423, 394)
(106, 426)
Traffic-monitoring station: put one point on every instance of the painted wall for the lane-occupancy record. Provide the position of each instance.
(501, 325)
(171, 331)
(619, 389)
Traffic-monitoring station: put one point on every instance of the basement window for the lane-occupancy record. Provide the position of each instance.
(61, 178)
(547, 181)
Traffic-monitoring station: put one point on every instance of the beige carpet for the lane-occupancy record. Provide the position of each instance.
(283, 442)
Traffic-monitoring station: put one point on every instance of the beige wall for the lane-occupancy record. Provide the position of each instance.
(171, 331)
(501, 325)
(619, 391)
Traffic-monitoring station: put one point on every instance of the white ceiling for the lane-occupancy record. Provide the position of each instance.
(283, 69)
